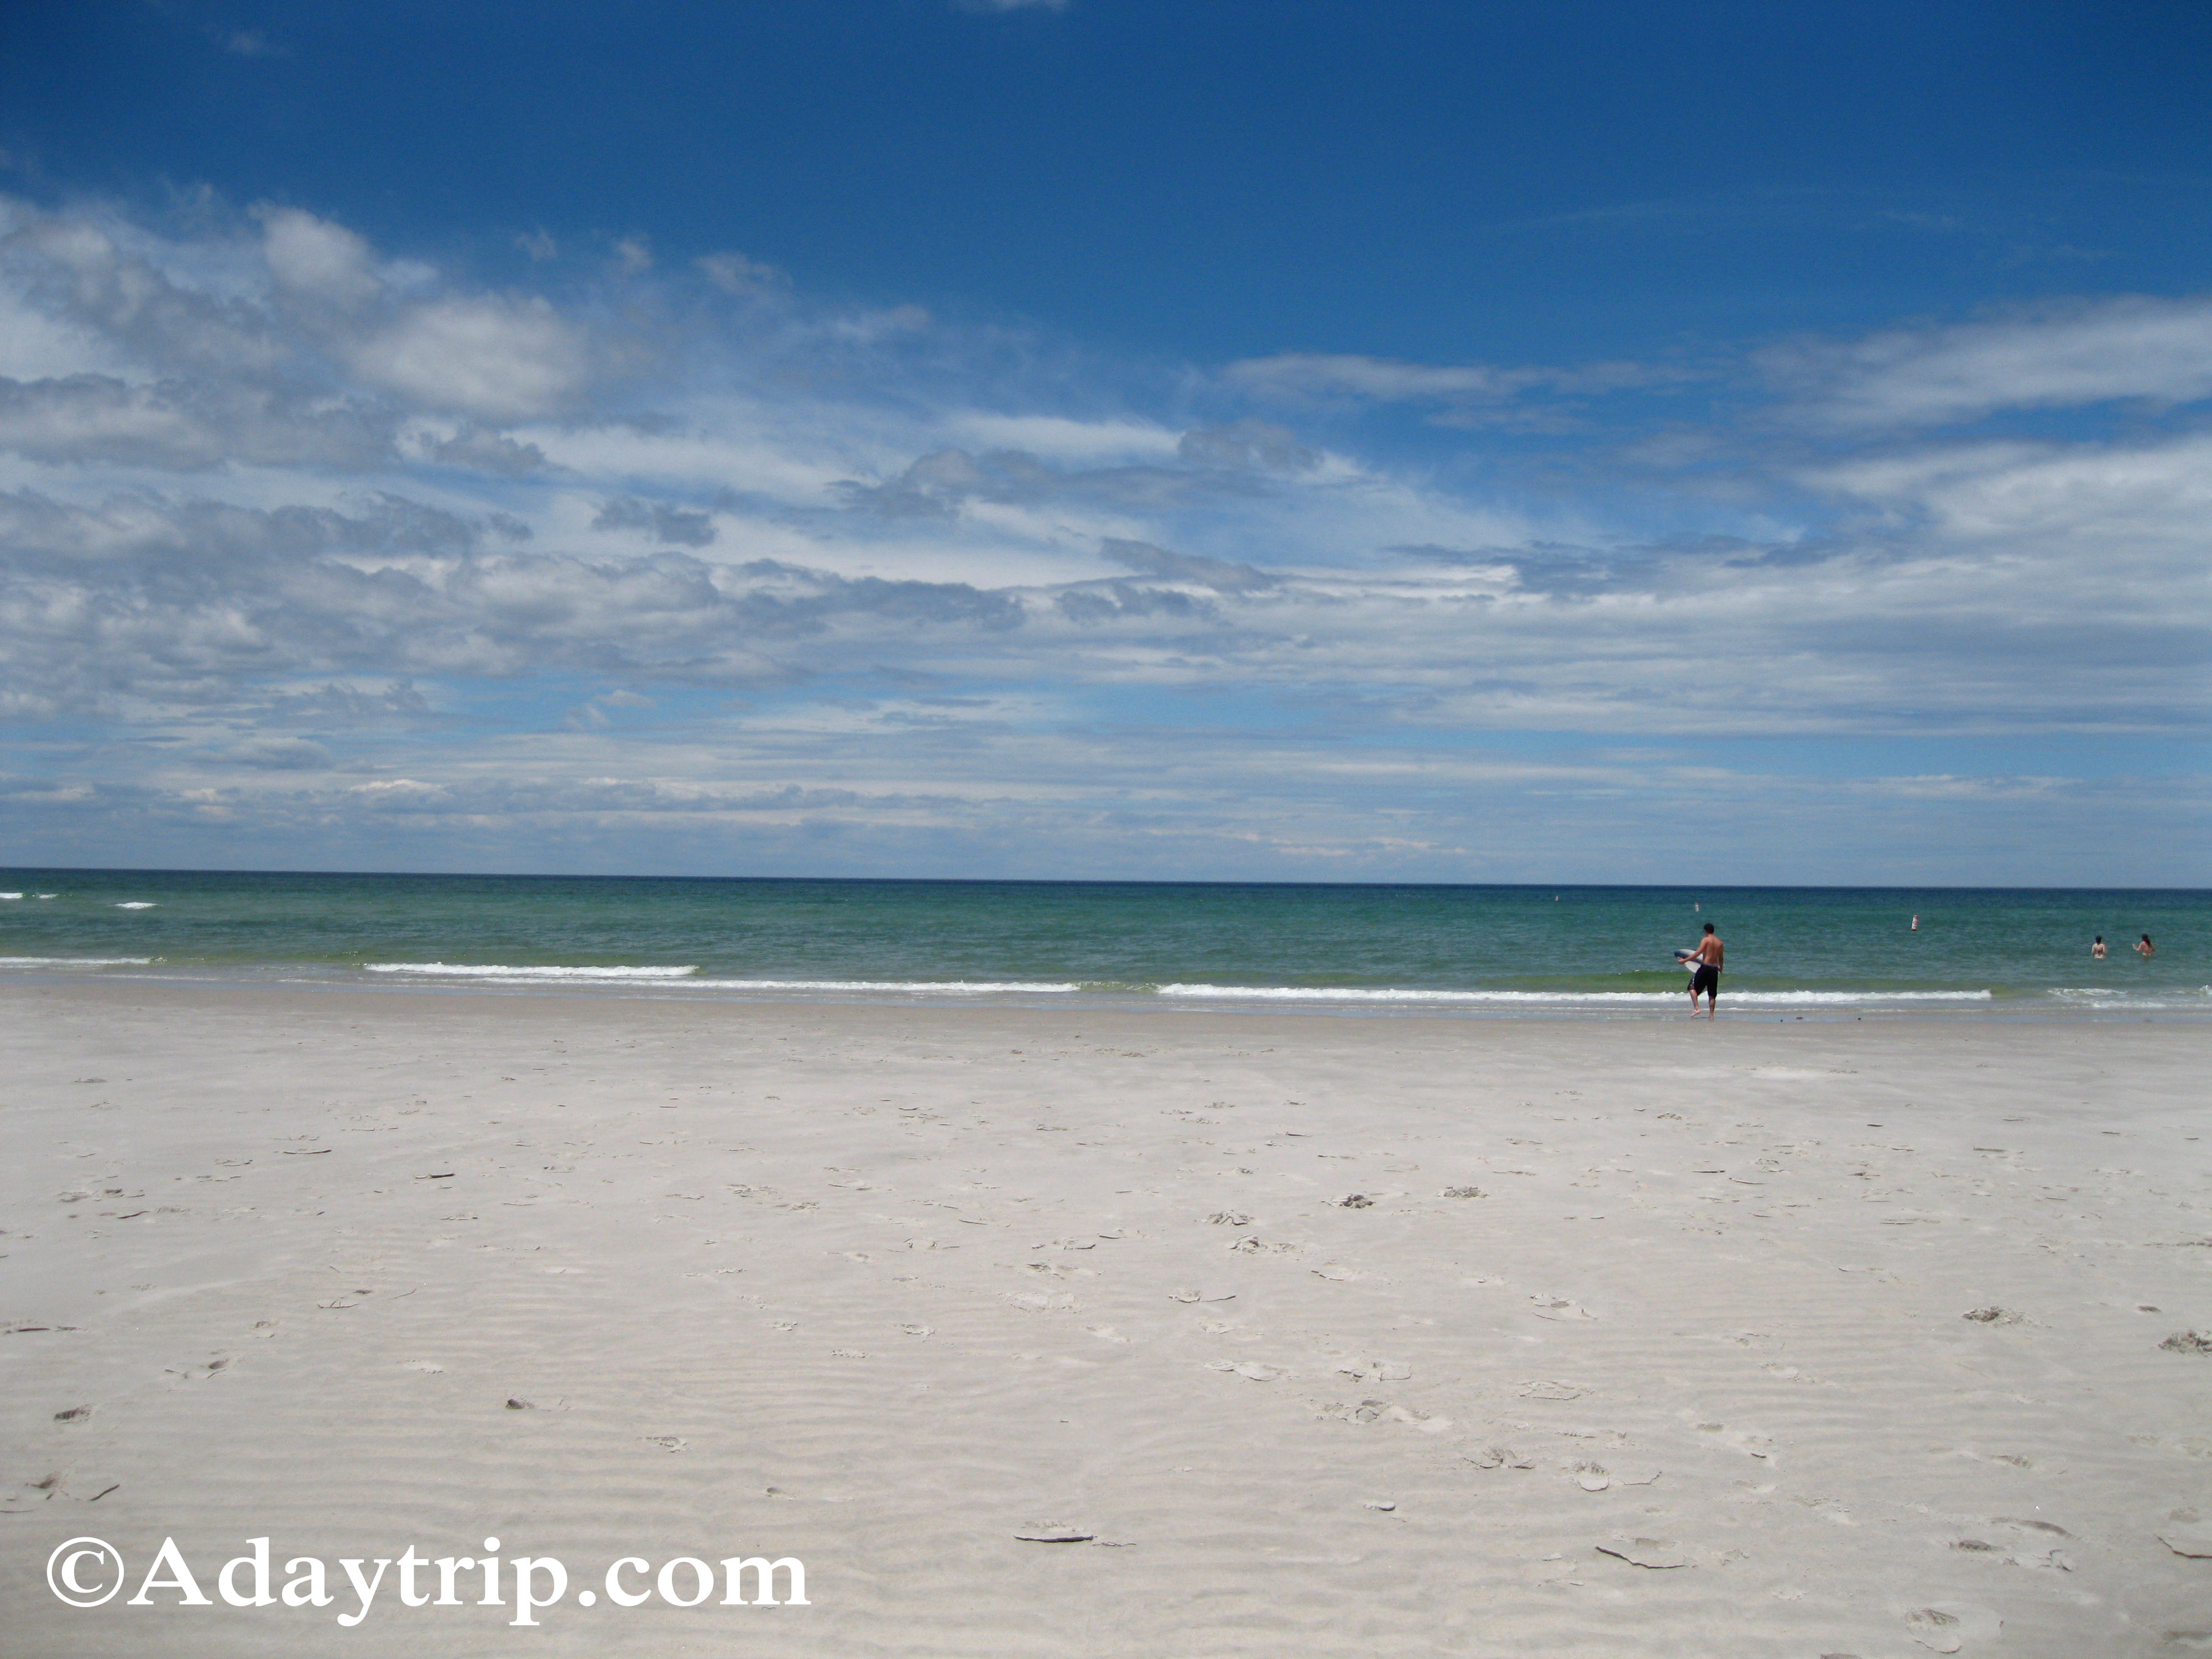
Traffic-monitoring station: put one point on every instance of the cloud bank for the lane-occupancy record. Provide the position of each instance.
(313, 554)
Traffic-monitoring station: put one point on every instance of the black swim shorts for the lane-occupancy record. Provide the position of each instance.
(1707, 980)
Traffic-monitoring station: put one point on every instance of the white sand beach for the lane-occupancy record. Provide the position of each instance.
(1310, 1335)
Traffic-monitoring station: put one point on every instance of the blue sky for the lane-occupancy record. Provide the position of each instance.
(1321, 441)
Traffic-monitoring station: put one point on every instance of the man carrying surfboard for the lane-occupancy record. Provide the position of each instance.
(1705, 977)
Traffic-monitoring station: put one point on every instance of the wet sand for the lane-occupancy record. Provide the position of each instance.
(1309, 1335)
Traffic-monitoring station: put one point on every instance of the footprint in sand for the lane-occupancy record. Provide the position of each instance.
(1250, 1370)
(1947, 1626)
(1382, 1371)
(2055, 1560)
(1558, 1307)
(201, 1373)
(1039, 1302)
(2191, 1538)
(1743, 1440)
(1598, 1477)
(30, 1494)
(1657, 1554)
(1498, 1457)
(1550, 1391)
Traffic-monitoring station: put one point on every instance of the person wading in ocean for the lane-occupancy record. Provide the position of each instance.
(1707, 977)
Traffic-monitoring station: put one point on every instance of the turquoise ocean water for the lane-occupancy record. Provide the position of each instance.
(1589, 950)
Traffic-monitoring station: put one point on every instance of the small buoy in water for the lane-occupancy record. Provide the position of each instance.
(1916, 924)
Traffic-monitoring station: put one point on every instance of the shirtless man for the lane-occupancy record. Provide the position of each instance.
(1707, 977)
(2097, 947)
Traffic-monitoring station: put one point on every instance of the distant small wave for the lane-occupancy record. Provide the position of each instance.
(138, 904)
(493, 974)
(493, 970)
(1644, 999)
(11, 896)
(2090, 991)
(75, 962)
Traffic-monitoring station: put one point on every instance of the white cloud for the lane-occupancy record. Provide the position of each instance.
(34, 346)
(281, 754)
(505, 360)
(1386, 380)
(96, 417)
(2123, 499)
(1060, 439)
(1379, 378)
(733, 273)
(488, 451)
(2156, 350)
(734, 452)
(317, 259)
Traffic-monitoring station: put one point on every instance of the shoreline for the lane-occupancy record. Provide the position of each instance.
(883, 1289)
(1759, 1003)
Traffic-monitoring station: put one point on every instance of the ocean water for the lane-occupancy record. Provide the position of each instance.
(1595, 951)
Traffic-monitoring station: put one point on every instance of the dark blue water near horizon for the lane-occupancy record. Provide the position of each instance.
(1595, 948)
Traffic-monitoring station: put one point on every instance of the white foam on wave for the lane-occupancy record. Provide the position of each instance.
(955, 987)
(2102, 997)
(75, 962)
(1634, 998)
(1848, 997)
(523, 975)
(11, 896)
(138, 904)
